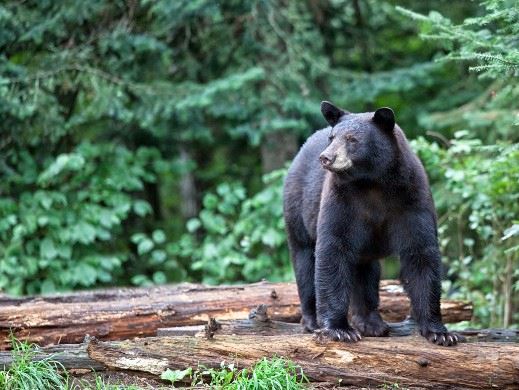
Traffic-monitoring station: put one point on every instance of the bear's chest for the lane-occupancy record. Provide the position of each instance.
(374, 212)
(370, 207)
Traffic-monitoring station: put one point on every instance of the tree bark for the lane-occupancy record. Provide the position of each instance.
(408, 361)
(130, 312)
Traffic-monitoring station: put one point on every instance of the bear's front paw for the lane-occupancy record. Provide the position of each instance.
(371, 325)
(348, 335)
(444, 338)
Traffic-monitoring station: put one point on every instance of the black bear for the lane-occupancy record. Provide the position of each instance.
(356, 193)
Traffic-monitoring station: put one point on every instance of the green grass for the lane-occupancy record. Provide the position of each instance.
(100, 384)
(26, 373)
(275, 373)
(268, 374)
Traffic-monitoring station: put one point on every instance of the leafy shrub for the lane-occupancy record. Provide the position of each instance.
(236, 238)
(476, 188)
(58, 224)
(157, 265)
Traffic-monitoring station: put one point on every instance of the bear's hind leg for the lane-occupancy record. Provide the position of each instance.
(304, 266)
(365, 300)
(421, 277)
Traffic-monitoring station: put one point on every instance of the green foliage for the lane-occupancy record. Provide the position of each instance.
(488, 40)
(108, 108)
(58, 232)
(176, 375)
(488, 43)
(275, 373)
(476, 181)
(236, 238)
(476, 189)
(124, 124)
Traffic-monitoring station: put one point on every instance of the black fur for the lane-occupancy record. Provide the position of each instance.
(340, 223)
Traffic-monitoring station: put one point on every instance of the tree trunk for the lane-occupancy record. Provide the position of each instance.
(189, 207)
(129, 312)
(507, 291)
(276, 149)
(408, 361)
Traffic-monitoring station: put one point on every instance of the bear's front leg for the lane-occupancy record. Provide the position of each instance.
(421, 277)
(365, 315)
(333, 280)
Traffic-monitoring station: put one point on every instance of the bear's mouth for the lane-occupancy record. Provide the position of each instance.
(339, 166)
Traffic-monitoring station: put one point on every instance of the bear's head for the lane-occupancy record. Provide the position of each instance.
(361, 146)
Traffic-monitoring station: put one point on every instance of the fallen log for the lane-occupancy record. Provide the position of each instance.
(408, 361)
(129, 312)
(260, 323)
(75, 356)
(70, 356)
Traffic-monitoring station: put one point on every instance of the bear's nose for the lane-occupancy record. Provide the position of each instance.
(327, 160)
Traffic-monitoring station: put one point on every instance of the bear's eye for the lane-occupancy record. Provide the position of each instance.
(351, 138)
(331, 137)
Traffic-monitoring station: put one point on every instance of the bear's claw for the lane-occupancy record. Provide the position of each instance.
(446, 339)
(349, 335)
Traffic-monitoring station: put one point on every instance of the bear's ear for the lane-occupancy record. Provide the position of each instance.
(385, 118)
(331, 113)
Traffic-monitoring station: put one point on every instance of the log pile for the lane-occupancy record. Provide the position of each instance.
(143, 332)
(408, 361)
(116, 314)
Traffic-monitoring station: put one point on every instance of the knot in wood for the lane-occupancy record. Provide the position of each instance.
(211, 327)
(90, 339)
(423, 362)
(260, 313)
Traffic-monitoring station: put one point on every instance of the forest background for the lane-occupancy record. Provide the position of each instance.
(145, 142)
